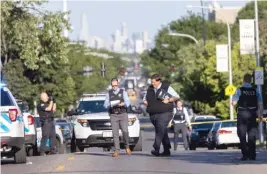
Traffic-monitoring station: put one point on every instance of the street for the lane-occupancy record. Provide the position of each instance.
(94, 160)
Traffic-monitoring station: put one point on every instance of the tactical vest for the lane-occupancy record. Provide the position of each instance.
(179, 115)
(248, 98)
(113, 97)
(155, 105)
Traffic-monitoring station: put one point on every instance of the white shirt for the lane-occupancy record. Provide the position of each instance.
(187, 118)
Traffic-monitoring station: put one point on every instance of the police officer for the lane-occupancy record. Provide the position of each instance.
(159, 100)
(248, 101)
(118, 115)
(180, 122)
(46, 109)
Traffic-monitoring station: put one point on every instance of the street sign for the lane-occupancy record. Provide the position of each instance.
(247, 36)
(222, 58)
(230, 90)
(259, 78)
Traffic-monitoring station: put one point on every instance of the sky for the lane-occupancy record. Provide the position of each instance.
(104, 17)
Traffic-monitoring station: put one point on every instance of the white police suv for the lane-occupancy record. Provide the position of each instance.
(92, 126)
(30, 128)
(11, 128)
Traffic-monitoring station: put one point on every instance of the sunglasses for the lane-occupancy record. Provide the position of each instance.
(114, 86)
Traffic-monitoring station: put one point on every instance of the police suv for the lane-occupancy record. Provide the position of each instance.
(11, 128)
(30, 128)
(92, 126)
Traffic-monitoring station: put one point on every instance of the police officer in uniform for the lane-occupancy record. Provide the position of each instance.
(180, 122)
(46, 109)
(118, 115)
(159, 100)
(248, 101)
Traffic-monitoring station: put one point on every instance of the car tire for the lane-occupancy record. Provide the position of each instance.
(106, 149)
(221, 147)
(20, 156)
(139, 145)
(192, 147)
(32, 151)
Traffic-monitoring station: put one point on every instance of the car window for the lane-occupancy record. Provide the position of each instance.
(229, 124)
(6, 98)
(202, 126)
(216, 126)
(91, 107)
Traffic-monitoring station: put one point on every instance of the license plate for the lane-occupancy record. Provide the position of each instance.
(107, 134)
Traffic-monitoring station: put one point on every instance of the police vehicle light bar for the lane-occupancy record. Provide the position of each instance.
(2, 85)
(93, 95)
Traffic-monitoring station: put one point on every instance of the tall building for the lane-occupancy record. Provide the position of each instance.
(65, 31)
(138, 46)
(145, 40)
(84, 35)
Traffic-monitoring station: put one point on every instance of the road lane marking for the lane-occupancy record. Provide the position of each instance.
(71, 158)
(60, 167)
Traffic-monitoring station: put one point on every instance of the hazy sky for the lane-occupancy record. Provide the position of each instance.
(104, 17)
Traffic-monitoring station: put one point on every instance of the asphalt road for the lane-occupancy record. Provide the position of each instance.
(94, 160)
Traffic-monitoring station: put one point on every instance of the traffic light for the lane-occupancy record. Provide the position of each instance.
(172, 70)
(122, 71)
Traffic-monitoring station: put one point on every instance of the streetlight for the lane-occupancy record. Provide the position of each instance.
(229, 55)
(183, 35)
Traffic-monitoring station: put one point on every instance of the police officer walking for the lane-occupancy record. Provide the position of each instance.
(159, 100)
(248, 101)
(117, 102)
(180, 122)
(46, 109)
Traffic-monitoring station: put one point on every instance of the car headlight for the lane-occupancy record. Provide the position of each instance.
(83, 122)
(131, 121)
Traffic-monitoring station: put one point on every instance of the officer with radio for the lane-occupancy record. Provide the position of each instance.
(117, 102)
(159, 100)
(248, 101)
(46, 109)
(180, 122)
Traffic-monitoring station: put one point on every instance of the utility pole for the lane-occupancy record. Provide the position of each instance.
(258, 63)
(103, 69)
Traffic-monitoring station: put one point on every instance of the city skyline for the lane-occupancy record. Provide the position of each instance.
(105, 17)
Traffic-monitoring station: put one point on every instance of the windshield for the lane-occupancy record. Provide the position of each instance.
(5, 98)
(91, 107)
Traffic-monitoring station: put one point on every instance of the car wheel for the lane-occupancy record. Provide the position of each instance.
(221, 147)
(138, 146)
(20, 156)
(192, 146)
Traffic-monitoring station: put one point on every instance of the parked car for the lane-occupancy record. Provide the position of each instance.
(92, 127)
(30, 128)
(199, 133)
(60, 145)
(223, 134)
(66, 128)
(12, 127)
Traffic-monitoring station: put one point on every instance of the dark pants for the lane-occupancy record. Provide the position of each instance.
(48, 132)
(160, 122)
(247, 125)
(120, 121)
(177, 128)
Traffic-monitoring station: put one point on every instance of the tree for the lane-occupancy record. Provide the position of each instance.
(34, 51)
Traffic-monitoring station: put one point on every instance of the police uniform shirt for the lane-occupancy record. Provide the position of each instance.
(170, 91)
(237, 94)
(41, 110)
(125, 98)
(187, 118)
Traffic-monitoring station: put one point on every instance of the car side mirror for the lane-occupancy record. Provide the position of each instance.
(71, 112)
